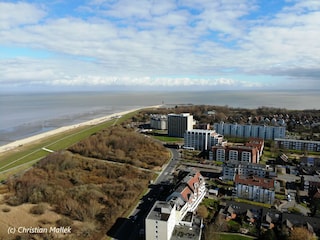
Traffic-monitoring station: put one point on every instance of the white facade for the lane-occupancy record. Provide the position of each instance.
(165, 215)
(246, 130)
(158, 122)
(246, 169)
(178, 124)
(160, 221)
(200, 139)
(255, 193)
(233, 155)
(221, 155)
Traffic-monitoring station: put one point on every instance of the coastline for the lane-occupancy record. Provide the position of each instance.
(92, 122)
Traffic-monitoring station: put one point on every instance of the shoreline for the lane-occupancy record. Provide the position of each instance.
(92, 122)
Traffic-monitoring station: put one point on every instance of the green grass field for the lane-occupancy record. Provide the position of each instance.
(25, 156)
(168, 139)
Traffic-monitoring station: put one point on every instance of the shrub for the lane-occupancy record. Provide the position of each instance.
(6, 209)
(38, 209)
(64, 222)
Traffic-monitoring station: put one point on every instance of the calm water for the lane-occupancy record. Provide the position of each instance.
(23, 115)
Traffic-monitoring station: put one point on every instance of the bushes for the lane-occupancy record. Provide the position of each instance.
(64, 222)
(87, 189)
(122, 145)
(99, 195)
(38, 209)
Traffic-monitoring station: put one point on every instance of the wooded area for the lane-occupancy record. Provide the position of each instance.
(123, 145)
(93, 191)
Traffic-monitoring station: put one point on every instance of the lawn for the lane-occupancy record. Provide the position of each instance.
(260, 204)
(168, 139)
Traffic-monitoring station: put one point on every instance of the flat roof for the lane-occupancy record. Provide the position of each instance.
(160, 211)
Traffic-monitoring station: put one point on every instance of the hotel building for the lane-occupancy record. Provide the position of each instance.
(178, 124)
(200, 139)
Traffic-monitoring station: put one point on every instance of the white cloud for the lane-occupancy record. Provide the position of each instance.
(16, 14)
(161, 38)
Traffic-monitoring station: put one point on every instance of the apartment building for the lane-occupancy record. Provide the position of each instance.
(230, 169)
(248, 130)
(255, 188)
(159, 122)
(200, 139)
(167, 215)
(188, 194)
(294, 144)
(236, 153)
(160, 221)
(178, 124)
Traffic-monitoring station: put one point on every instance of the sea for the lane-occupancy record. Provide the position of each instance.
(27, 114)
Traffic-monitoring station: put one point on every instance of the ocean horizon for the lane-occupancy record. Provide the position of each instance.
(27, 114)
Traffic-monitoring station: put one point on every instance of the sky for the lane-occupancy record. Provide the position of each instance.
(160, 44)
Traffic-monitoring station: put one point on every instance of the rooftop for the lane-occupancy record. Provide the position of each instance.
(160, 211)
(185, 232)
(255, 181)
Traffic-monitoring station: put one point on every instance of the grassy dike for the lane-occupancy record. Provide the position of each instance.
(22, 158)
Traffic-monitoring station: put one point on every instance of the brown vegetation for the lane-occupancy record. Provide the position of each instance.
(299, 233)
(81, 189)
(122, 145)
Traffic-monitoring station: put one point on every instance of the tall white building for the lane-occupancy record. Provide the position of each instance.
(178, 124)
(160, 221)
(166, 215)
(200, 139)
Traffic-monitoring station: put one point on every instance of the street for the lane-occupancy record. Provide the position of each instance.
(133, 227)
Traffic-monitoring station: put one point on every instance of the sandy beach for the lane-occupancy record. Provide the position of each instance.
(92, 122)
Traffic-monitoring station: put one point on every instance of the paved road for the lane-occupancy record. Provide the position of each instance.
(130, 228)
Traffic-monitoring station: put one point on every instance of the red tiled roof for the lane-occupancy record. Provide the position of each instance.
(255, 181)
(193, 180)
(186, 193)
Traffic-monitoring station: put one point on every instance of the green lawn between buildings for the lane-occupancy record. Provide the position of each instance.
(25, 156)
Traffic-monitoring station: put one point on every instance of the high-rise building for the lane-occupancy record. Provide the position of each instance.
(166, 216)
(178, 124)
(200, 139)
(160, 221)
(248, 130)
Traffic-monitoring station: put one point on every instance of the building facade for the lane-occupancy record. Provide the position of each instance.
(166, 215)
(248, 130)
(230, 169)
(158, 121)
(160, 221)
(200, 139)
(236, 153)
(178, 124)
(255, 188)
(302, 145)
